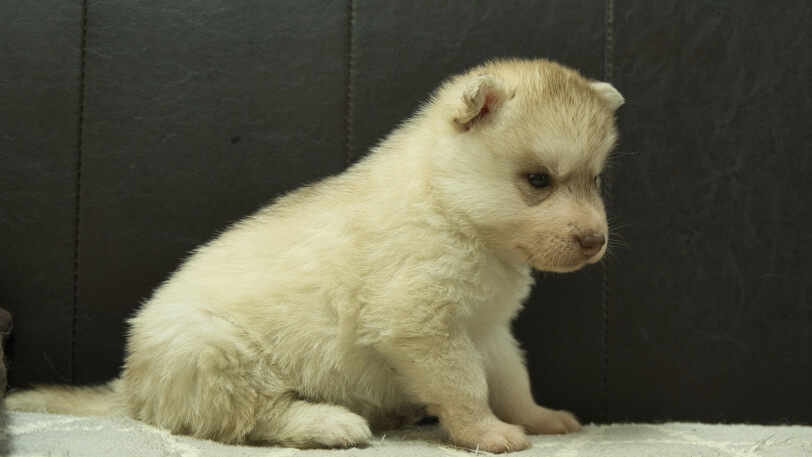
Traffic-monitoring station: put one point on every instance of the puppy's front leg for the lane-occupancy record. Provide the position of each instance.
(445, 373)
(509, 389)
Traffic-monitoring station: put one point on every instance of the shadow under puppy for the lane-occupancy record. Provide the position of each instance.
(389, 288)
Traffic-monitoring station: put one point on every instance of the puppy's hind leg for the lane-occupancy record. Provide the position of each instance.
(301, 424)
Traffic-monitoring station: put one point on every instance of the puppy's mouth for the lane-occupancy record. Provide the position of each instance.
(554, 262)
(563, 260)
(561, 268)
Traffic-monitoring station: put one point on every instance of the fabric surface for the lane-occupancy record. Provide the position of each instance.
(35, 434)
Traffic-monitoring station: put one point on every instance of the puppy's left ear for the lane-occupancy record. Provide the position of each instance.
(609, 94)
(481, 98)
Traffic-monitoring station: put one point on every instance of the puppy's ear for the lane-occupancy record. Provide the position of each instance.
(609, 94)
(481, 98)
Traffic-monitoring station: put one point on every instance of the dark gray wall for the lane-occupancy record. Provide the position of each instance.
(710, 313)
(40, 92)
(133, 133)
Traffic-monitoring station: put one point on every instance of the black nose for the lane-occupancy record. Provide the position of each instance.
(592, 244)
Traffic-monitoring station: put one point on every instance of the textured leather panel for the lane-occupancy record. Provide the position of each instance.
(39, 128)
(198, 113)
(710, 311)
(402, 50)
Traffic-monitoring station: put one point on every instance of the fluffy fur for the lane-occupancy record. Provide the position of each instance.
(370, 296)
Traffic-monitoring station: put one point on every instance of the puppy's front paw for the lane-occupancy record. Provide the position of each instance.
(550, 422)
(341, 432)
(492, 436)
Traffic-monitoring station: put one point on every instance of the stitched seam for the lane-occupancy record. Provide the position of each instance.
(610, 13)
(79, 149)
(607, 68)
(350, 70)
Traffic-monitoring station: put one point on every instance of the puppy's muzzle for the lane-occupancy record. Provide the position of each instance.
(591, 244)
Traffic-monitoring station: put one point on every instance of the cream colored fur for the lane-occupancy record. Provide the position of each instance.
(361, 299)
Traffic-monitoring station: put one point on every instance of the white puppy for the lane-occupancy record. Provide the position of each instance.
(390, 288)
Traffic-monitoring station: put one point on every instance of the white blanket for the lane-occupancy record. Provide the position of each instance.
(34, 434)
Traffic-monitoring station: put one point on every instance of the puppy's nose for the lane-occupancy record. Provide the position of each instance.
(592, 244)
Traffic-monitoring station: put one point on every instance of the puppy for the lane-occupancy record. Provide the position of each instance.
(389, 289)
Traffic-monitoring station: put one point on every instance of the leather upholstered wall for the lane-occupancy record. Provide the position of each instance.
(130, 132)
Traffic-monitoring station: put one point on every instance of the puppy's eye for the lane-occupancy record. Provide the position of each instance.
(539, 179)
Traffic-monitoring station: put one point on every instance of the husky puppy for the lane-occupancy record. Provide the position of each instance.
(356, 302)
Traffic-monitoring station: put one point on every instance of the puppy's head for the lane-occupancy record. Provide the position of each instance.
(522, 148)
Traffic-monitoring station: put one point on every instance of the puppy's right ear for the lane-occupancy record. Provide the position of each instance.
(482, 96)
(609, 94)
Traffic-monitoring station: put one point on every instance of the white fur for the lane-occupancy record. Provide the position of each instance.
(390, 288)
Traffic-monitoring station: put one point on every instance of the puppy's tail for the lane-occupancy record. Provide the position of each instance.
(104, 400)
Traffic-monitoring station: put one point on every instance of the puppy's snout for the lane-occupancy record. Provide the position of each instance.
(592, 244)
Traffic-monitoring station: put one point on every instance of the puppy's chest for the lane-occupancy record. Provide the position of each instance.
(499, 296)
(478, 290)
